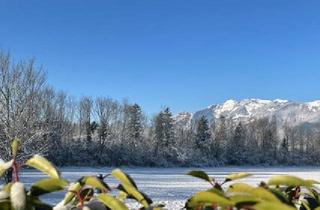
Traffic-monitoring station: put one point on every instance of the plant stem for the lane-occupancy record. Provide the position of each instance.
(80, 199)
(15, 174)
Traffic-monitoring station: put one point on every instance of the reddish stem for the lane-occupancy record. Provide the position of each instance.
(15, 173)
(80, 199)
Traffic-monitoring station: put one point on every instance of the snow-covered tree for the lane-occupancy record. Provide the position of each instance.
(85, 113)
(22, 85)
(164, 134)
(269, 142)
(202, 133)
(235, 151)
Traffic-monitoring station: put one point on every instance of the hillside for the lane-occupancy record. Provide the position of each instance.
(286, 112)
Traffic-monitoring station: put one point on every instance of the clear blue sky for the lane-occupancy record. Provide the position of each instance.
(186, 54)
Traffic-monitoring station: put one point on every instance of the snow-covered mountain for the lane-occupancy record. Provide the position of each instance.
(289, 112)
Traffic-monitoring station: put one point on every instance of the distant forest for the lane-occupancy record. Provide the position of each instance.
(106, 132)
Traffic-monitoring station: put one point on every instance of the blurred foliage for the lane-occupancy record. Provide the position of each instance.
(281, 192)
(88, 192)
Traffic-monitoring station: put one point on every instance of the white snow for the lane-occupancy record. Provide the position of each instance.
(281, 101)
(313, 105)
(229, 105)
(293, 113)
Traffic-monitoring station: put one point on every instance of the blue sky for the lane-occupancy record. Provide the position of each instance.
(186, 54)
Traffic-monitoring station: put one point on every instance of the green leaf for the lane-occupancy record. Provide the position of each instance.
(252, 192)
(123, 177)
(130, 188)
(95, 183)
(280, 195)
(244, 201)
(314, 194)
(87, 180)
(242, 198)
(4, 166)
(305, 204)
(235, 176)
(264, 195)
(122, 196)
(4, 195)
(15, 145)
(216, 191)
(200, 174)
(42, 164)
(312, 182)
(240, 187)
(7, 188)
(270, 205)
(18, 196)
(136, 194)
(146, 198)
(208, 198)
(47, 186)
(5, 205)
(289, 181)
(87, 193)
(35, 202)
(71, 192)
(111, 202)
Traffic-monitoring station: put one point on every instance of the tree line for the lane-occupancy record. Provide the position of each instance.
(104, 131)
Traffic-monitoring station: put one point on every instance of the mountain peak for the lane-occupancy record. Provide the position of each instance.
(229, 105)
(285, 111)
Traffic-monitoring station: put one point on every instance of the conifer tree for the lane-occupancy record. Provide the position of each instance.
(164, 132)
(135, 127)
(202, 132)
(235, 153)
(202, 140)
(269, 142)
(219, 143)
(284, 151)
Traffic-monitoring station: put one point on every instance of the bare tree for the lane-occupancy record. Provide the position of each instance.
(21, 94)
(85, 113)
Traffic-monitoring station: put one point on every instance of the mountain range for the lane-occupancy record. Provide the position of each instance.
(284, 111)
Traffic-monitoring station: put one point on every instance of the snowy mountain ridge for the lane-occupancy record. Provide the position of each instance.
(286, 112)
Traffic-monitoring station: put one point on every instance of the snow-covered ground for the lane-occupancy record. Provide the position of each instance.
(170, 185)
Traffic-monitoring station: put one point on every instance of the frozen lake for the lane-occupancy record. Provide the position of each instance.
(171, 185)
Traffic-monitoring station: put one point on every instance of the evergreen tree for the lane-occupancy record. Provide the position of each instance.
(252, 143)
(202, 141)
(135, 127)
(164, 133)
(269, 143)
(158, 132)
(219, 143)
(202, 132)
(135, 132)
(235, 153)
(85, 117)
(284, 151)
(168, 132)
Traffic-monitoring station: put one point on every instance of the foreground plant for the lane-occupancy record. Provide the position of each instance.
(279, 193)
(93, 193)
(87, 193)
(15, 196)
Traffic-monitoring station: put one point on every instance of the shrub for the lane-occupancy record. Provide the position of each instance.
(91, 192)
(279, 193)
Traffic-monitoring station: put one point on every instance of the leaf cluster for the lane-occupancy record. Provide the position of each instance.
(281, 192)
